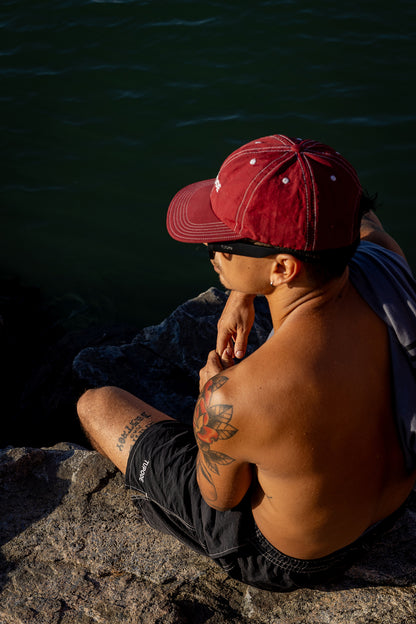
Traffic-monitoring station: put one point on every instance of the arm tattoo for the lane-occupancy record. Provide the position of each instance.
(133, 430)
(212, 423)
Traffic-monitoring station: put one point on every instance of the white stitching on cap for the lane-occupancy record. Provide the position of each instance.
(349, 169)
(283, 140)
(186, 228)
(255, 151)
(255, 183)
(310, 201)
(345, 165)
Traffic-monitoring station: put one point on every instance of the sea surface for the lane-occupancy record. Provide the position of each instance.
(109, 107)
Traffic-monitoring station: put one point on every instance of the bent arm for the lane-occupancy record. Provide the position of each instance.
(223, 477)
(373, 231)
(225, 490)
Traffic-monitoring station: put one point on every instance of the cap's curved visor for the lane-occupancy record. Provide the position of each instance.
(190, 217)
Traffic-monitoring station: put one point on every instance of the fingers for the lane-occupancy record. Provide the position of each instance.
(214, 362)
(224, 337)
(240, 345)
(233, 345)
(235, 325)
(227, 358)
(211, 368)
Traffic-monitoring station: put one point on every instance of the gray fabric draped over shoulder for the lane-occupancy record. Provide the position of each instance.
(385, 282)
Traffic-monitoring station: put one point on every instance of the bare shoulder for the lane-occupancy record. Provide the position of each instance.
(248, 404)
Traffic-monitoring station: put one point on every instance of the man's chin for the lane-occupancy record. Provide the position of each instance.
(223, 282)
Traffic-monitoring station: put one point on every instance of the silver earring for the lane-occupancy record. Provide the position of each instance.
(271, 284)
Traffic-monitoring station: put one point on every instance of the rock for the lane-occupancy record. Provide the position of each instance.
(42, 382)
(47, 404)
(38, 388)
(161, 365)
(74, 550)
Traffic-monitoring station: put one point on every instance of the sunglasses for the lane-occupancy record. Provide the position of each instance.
(241, 248)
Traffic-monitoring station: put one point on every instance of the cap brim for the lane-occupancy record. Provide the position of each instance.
(190, 217)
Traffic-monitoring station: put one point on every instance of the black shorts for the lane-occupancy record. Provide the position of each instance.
(161, 472)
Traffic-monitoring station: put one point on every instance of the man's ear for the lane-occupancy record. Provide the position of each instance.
(284, 269)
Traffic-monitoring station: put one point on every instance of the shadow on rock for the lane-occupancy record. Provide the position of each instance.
(30, 489)
(76, 550)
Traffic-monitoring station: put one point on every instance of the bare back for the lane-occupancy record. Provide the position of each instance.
(312, 415)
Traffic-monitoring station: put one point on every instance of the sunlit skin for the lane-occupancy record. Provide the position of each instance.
(314, 425)
(305, 421)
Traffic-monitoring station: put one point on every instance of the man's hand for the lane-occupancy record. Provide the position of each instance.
(214, 365)
(235, 325)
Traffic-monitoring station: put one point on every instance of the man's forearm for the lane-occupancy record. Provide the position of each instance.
(372, 230)
(370, 223)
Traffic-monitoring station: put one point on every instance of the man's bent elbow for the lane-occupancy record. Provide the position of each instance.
(219, 507)
(224, 505)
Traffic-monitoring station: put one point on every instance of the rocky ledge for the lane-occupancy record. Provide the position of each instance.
(74, 549)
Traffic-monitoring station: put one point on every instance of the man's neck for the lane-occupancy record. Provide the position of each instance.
(288, 300)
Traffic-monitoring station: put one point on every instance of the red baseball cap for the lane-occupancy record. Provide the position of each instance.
(291, 193)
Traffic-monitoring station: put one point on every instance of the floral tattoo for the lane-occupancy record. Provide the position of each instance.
(212, 423)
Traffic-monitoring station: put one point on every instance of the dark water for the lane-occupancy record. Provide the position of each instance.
(107, 108)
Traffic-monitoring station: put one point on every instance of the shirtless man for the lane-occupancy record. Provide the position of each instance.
(298, 462)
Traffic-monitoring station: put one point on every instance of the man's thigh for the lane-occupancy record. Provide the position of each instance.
(113, 420)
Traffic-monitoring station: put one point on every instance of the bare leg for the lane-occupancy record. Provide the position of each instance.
(113, 419)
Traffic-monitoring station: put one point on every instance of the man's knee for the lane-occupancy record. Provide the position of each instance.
(92, 405)
(92, 408)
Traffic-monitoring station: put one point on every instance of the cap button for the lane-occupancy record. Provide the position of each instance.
(297, 148)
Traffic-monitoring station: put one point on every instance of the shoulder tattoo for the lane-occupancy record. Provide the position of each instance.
(212, 423)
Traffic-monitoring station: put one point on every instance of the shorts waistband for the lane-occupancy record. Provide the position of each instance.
(292, 564)
(333, 560)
